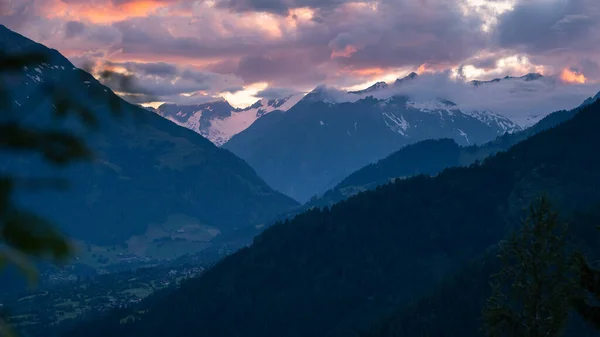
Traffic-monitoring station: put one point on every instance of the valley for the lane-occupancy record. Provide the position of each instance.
(65, 298)
(162, 243)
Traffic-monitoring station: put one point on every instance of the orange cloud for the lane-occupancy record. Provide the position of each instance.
(369, 72)
(104, 13)
(301, 13)
(346, 52)
(570, 76)
(431, 68)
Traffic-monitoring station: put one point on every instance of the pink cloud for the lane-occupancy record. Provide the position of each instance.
(298, 44)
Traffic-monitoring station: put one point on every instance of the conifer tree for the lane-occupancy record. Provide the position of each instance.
(589, 280)
(532, 292)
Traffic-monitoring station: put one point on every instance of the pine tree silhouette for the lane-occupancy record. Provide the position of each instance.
(589, 280)
(532, 292)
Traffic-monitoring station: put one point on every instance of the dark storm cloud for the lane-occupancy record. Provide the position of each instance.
(88, 59)
(254, 59)
(223, 67)
(143, 36)
(556, 33)
(408, 32)
(145, 82)
(176, 99)
(153, 69)
(295, 67)
(544, 26)
(157, 69)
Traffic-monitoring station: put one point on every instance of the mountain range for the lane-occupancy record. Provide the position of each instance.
(149, 180)
(218, 121)
(428, 157)
(347, 129)
(431, 157)
(341, 270)
(320, 140)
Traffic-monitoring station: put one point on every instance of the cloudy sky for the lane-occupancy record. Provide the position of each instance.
(192, 51)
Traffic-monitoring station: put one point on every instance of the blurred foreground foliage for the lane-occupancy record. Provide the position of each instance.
(25, 236)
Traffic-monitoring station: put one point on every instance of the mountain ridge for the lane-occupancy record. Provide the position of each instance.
(146, 169)
(526, 77)
(218, 121)
(431, 157)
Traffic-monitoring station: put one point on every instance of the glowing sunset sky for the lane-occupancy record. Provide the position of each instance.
(191, 51)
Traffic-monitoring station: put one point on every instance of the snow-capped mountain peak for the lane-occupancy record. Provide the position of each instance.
(393, 105)
(408, 77)
(322, 93)
(532, 76)
(266, 105)
(374, 87)
(526, 78)
(448, 109)
(381, 85)
(219, 121)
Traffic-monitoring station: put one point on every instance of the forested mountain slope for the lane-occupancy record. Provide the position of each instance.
(429, 157)
(426, 157)
(338, 271)
(455, 307)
